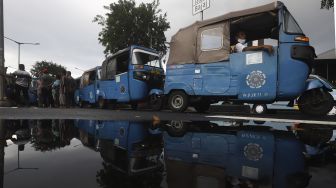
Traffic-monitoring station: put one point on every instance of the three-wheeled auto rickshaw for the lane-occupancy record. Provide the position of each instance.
(131, 76)
(88, 84)
(203, 68)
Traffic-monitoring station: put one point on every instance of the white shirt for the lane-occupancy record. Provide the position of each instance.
(22, 78)
(240, 47)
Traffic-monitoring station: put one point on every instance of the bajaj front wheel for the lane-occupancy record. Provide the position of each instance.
(178, 101)
(317, 102)
(101, 103)
(156, 102)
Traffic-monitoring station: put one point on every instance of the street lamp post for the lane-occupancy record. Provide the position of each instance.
(19, 46)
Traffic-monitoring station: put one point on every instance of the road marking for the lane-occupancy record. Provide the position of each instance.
(276, 120)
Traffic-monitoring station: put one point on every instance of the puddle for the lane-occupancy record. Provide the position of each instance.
(169, 154)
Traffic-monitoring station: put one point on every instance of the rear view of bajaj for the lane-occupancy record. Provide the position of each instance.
(131, 76)
(88, 83)
(205, 65)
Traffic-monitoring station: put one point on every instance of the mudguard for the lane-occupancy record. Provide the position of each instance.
(179, 86)
(315, 83)
(156, 91)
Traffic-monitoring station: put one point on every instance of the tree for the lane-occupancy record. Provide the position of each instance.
(126, 24)
(53, 68)
(327, 4)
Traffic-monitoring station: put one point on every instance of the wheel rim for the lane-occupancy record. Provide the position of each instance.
(177, 101)
(259, 109)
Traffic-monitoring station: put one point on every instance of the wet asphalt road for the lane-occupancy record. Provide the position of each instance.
(128, 114)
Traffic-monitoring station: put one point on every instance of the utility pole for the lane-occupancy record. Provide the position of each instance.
(2, 55)
(2, 151)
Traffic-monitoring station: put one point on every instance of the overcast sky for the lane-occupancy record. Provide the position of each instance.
(69, 37)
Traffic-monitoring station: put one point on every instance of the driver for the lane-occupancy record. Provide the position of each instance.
(241, 46)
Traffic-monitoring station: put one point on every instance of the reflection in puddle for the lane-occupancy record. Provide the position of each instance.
(83, 153)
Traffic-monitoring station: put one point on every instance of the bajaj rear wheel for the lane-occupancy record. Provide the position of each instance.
(317, 102)
(178, 101)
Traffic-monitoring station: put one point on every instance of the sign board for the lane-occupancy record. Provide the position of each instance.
(200, 5)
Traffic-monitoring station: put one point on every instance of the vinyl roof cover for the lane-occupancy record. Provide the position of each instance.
(185, 48)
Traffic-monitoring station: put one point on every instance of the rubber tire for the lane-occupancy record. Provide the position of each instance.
(184, 98)
(156, 103)
(101, 103)
(202, 107)
(323, 108)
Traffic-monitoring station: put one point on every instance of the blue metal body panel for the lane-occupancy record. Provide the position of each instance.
(272, 158)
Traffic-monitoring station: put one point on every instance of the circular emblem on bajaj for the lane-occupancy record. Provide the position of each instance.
(256, 79)
(253, 152)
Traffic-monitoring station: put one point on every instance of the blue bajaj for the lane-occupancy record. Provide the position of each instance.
(205, 65)
(87, 91)
(132, 75)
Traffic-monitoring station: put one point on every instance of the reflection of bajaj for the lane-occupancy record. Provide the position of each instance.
(203, 69)
(129, 147)
(130, 76)
(245, 155)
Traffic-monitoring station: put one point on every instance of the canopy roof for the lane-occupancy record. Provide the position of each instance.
(185, 44)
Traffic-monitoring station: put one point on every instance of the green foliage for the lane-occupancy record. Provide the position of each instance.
(327, 4)
(53, 68)
(126, 24)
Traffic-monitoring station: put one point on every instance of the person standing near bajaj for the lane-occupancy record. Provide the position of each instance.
(22, 81)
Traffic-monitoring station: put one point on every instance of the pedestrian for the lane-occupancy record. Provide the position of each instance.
(62, 89)
(45, 82)
(56, 90)
(70, 87)
(22, 82)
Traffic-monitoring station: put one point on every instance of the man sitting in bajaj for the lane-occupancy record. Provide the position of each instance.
(241, 46)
